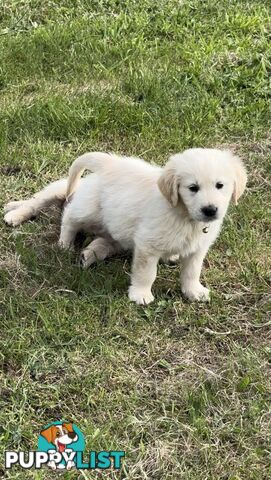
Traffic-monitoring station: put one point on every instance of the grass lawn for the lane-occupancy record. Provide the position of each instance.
(183, 388)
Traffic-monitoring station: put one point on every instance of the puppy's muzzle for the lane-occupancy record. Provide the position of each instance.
(72, 435)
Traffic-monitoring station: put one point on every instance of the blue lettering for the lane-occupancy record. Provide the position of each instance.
(117, 459)
(103, 460)
(92, 459)
(79, 461)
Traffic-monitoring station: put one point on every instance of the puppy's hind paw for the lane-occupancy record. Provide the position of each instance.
(172, 260)
(87, 258)
(140, 296)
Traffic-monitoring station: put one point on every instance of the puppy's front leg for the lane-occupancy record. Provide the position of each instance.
(143, 275)
(190, 283)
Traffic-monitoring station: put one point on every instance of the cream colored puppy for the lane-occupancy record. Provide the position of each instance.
(156, 212)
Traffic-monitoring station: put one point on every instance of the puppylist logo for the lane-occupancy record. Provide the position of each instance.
(61, 446)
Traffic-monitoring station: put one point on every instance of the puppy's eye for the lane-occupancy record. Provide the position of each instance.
(58, 434)
(219, 185)
(194, 188)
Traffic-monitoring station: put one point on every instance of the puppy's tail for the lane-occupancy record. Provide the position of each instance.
(93, 161)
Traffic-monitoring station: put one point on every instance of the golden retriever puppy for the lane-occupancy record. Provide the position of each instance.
(156, 212)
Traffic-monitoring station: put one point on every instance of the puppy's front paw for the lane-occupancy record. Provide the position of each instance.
(196, 292)
(52, 465)
(140, 296)
(70, 465)
(12, 205)
(15, 217)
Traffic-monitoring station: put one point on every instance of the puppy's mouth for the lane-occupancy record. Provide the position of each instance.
(208, 219)
(204, 219)
(61, 447)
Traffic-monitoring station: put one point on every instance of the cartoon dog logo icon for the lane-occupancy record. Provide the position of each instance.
(61, 436)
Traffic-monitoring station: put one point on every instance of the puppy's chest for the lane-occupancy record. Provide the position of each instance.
(186, 240)
(189, 243)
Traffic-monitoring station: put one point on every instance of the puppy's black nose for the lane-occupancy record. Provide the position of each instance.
(72, 435)
(209, 211)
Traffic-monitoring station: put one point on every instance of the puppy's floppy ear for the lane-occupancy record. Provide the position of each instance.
(49, 433)
(168, 184)
(240, 179)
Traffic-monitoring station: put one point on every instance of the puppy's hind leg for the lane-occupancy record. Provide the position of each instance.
(81, 213)
(98, 250)
(69, 229)
(21, 211)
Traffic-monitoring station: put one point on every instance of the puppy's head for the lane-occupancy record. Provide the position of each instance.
(60, 435)
(203, 181)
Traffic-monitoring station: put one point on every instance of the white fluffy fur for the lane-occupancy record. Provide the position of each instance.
(130, 204)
